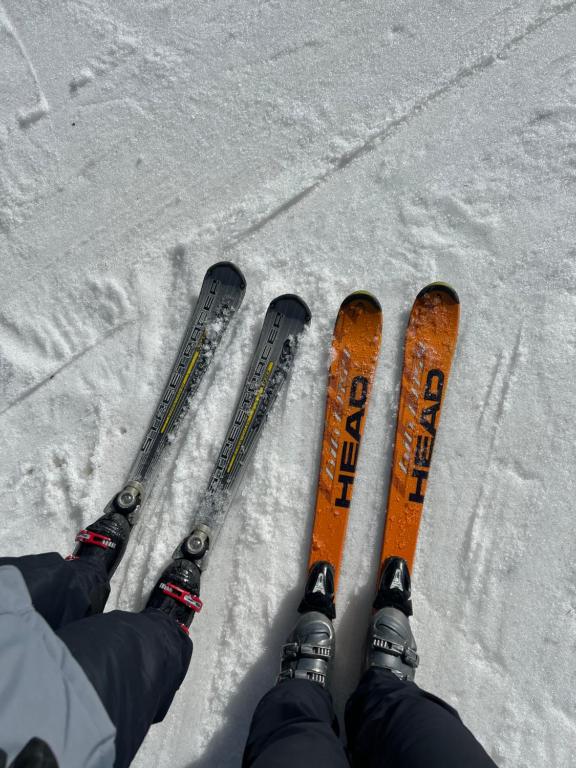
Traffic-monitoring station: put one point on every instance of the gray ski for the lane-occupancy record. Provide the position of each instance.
(220, 296)
(286, 318)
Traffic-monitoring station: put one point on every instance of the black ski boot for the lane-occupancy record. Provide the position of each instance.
(309, 650)
(319, 590)
(176, 592)
(390, 643)
(106, 539)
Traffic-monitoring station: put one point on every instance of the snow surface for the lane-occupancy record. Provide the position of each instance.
(323, 147)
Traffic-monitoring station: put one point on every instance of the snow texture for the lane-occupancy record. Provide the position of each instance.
(323, 147)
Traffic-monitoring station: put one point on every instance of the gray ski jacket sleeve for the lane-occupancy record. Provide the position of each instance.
(44, 692)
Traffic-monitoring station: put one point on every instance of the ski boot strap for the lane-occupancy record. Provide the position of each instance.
(97, 539)
(182, 595)
(400, 650)
(89, 537)
(302, 674)
(294, 652)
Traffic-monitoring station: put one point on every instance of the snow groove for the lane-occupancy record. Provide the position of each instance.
(477, 535)
(26, 116)
(260, 223)
(381, 135)
(508, 380)
(488, 398)
(49, 343)
(75, 358)
(469, 71)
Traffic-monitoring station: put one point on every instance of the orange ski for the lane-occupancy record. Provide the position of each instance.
(354, 354)
(429, 347)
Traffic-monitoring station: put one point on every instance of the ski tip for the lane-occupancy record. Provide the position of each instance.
(439, 288)
(291, 304)
(366, 296)
(227, 272)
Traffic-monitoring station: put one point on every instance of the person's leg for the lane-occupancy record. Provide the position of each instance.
(394, 723)
(295, 726)
(65, 590)
(62, 590)
(136, 663)
(390, 721)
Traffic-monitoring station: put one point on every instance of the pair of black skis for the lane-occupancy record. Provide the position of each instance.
(220, 297)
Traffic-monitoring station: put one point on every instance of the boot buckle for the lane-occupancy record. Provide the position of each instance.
(307, 650)
(182, 595)
(97, 539)
(402, 651)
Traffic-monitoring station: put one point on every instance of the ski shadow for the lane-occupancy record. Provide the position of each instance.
(351, 626)
(226, 747)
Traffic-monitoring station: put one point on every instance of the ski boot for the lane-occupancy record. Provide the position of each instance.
(319, 590)
(309, 650)
(390, 643)
(105, 540)
(176, 592)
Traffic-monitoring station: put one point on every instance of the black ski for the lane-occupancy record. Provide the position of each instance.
(220, 296)
(286, 318)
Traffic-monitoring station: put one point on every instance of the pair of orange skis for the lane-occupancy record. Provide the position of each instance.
(429, 346)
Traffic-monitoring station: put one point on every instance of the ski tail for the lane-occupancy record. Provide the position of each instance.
(428, 351)
(220, 296)
(286, 318)
(354, 355)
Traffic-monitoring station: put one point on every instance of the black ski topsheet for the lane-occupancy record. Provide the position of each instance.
(286, 318)
(220, 296)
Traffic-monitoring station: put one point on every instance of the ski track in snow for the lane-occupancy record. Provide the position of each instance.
(30, 116)
(380, 135)
(370, 147)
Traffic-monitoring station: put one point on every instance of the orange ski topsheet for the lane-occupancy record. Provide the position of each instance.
(429, 347)
(354, 354)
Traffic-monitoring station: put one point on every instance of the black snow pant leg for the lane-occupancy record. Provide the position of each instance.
(136, 663)
(396, 724)
(294, 726)
(62, 590)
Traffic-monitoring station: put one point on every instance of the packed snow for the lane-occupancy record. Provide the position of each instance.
(322, 147)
